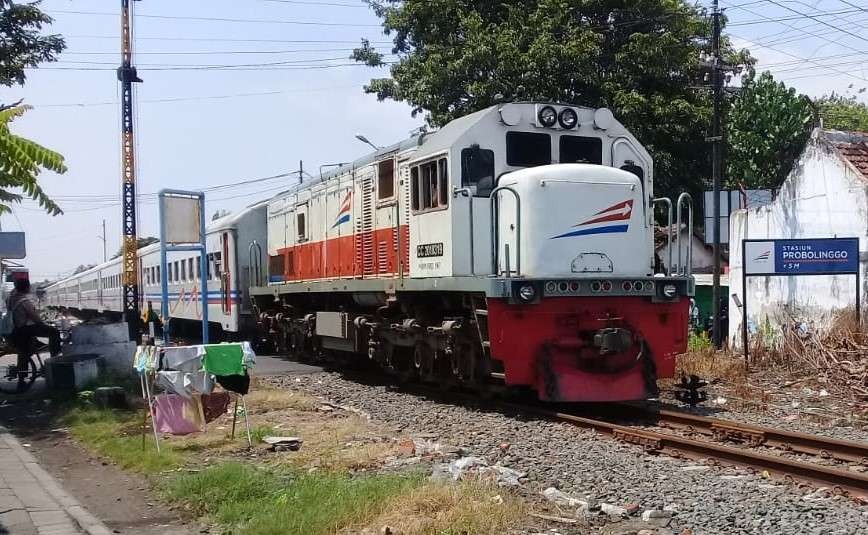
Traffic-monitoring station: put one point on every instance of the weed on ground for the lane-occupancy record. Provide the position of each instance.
(246, 499)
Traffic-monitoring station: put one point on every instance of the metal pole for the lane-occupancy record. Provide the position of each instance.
(127, 75)
(717, 81)
(203, 272)
(104, 250)
(164, 274)
(744, 304)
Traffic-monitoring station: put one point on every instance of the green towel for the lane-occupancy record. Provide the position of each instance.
(224, 359)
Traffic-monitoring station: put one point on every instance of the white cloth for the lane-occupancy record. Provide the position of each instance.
(182, 358)
(185, 383)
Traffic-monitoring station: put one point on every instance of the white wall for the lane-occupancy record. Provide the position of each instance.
(823, 197)
(703, 258)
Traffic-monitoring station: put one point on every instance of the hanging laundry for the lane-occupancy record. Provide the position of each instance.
(182, 358)
(214, 405)
(145, 358)
(223, 359)
(184, 383)
(176, 415)
(240, 384)
(248, 356)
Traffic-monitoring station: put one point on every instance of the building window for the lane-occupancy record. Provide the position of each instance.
(528, 149)
(386, 179)
(429, 185)
(578, 149)
(477, 170)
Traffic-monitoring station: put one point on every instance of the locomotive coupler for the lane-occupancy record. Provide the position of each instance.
(613, 340)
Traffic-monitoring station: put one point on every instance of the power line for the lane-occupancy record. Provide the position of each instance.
(824, 23)
(799, 17)
(195, 98)
(217, 52)
(215, 69)
(221, 19)
(224, 40)
(306, 3)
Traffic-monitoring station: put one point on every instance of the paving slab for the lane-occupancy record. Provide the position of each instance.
(32, 502)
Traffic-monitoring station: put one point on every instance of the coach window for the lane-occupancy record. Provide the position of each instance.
(176, 273)
(578, 149)
(190, 269)
(477, 169)
(386, 179)
(528, 149)
(429, 185)
(183, 270)
(218, 265)
(159, 275)
(198, 268)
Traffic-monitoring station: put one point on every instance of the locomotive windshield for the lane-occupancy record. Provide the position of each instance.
(528, 149)
(477, 169)
(578, 149)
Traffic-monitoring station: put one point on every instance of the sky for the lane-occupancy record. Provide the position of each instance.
(201, 124)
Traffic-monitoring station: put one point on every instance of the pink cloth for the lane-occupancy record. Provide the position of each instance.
(178, 416)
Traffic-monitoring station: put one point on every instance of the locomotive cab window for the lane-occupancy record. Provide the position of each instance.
(386, 180)
(477, 169)
(578, 149)
(528, 149)
(429, 183)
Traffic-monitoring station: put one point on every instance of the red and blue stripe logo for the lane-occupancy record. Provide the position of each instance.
(611, 220)
(346, 208)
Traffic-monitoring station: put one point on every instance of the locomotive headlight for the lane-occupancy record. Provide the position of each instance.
(669, 290)
(568, 118)
(547, 116)
(527, 293)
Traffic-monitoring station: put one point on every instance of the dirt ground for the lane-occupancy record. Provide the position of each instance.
(120, 499)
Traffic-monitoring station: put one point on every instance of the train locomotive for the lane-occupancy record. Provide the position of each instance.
(513, 246)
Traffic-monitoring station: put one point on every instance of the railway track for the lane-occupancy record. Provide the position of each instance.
(750, 437)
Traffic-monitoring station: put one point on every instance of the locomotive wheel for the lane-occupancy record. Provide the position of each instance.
(423, 361)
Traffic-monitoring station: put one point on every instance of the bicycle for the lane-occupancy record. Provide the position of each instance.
(15, 381)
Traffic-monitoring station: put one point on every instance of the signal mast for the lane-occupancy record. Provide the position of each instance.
(127, 76)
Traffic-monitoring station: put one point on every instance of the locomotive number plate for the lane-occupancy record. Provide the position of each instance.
(427, 250)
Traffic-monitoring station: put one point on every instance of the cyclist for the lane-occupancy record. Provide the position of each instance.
(28, 324)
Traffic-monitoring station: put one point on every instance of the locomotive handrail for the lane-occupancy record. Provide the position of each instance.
(254, 252)
(466, 192)
(668, 202)
(688, 268)
(495, 238)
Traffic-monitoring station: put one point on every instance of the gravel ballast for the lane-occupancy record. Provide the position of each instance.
(595, 469)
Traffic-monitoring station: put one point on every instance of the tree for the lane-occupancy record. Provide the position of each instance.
(767, 127)
(141, 242)
(21, 43)
(82, 268)
(638, 57)
(21, 160)
(840, 112)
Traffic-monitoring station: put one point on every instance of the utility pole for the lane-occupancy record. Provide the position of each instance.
(103, 238)
(300, 171)
(127, 76)
(716, 166)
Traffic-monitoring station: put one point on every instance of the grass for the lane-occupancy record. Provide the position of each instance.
(118, 436)
(247, 500)
(451, 509)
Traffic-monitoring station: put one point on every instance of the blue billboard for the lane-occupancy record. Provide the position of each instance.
(822, 256)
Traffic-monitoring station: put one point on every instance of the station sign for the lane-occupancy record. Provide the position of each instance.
(823, 256)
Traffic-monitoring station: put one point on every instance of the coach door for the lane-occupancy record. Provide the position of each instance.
(226, 277)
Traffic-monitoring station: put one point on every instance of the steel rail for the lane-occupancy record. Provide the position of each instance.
(852, 483)
(756, 435)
